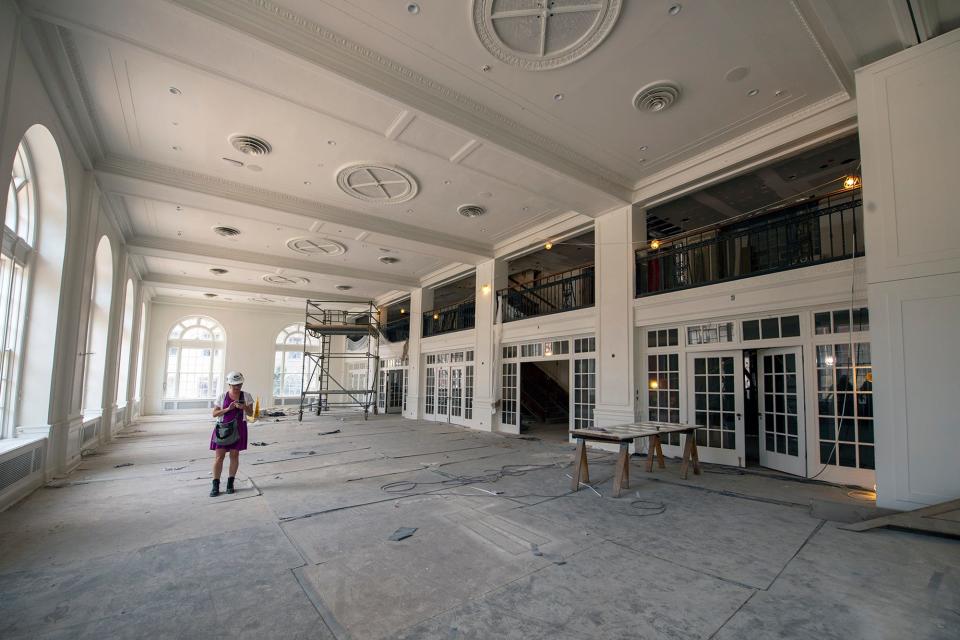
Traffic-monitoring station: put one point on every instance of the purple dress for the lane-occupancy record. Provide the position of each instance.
(233, 414)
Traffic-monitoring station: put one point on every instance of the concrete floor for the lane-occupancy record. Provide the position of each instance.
(301, 551)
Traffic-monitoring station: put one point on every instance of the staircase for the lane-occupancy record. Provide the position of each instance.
(542, 399)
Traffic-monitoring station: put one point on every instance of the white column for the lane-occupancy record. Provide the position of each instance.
(420, 300)
(907, 108)
(491, 277)
(614, 307)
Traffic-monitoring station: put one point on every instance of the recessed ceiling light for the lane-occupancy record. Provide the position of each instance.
(209, 295)
(409, 210)
(641, 159)
(446, 182)
(176, 148)
(525, 208)
(753, 92)
(175, 91)
(413, 8)
(643, 148)
(558, 97)
(344, 287)
(737, 74)
(388, 260)
(179, 208)
(176, 124)
(485, 68)
(778, 92)
(307, 182)
(332, 143)
(674, 9)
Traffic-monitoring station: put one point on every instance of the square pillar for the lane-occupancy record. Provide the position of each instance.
(420, 300)
(491, 277)
(616, 396)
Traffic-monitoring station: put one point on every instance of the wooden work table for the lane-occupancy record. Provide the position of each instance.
(623, 435)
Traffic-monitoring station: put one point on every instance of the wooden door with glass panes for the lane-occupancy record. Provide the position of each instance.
(456, 394)
(782, 433)
(443, 394)
(716, 405)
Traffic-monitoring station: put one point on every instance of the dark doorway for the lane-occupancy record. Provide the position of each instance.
(751, 409)
(545, 399)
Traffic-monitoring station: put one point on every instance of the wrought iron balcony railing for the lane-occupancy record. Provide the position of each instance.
(396, 330)
(801, 236)
(455, 317)
(566, 291)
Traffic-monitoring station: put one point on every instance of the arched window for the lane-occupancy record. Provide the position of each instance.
(101, 293)
(288, 362)
(16, 252)
(194, 371)
(123, 375)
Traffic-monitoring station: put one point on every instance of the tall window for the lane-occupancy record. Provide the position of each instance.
(123, 375)
(16, 253)
(140, 348)
(288, 362)
(101, 293)
(194, 371)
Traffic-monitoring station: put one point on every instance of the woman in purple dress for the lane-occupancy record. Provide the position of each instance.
(236, 405)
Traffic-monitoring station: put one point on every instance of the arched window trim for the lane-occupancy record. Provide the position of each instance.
(287, 368)
(194, 332)
(16, 254)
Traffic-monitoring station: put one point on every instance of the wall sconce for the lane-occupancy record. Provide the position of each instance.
(402, 311)
(485, 289)
(654, 244)
(548, 245)
(436, 316)
(851, 182)
(654, 384)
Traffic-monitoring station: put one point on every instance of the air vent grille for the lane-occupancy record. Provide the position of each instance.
(286, 281)
(388, 260)
(218, 271)
(250, 145)
(344, 287)
(316, 246)
(209, 295)
(227, 232)
(656, 97)
(471, 210)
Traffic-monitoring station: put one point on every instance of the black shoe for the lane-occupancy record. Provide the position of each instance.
(215, 490)
(230, 485)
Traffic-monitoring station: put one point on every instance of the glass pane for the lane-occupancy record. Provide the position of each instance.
(770, 328)
(841, 321)
(751, 330)
(861, 319)
(790, 326)
(821, 323)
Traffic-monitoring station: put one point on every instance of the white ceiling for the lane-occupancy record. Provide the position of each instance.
(330, 83)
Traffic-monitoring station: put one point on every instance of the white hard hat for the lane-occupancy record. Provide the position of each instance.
(234, 377)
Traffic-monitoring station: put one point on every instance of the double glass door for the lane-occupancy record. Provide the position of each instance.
(446, 397)
(716, 405)
(782, 433)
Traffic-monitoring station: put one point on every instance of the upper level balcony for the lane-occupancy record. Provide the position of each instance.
(454, 317)
(564, 291)
(815, 232)
(396, 330)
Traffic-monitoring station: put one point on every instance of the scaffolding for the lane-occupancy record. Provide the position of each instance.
(335, 375)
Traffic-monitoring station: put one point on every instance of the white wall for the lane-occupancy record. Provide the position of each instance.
(251, 339)
(909, 137)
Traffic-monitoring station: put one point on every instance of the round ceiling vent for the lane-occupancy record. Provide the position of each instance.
(218, 271)
(310, 246)
(377, 184)
(656, 97)
(276, 278)
(471, 210)
(344, 287)
(536, 35)
(227, 232)
(209, 295)
(388, 260)
(250, 145)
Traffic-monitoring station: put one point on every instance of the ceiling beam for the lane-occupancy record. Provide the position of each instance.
(187, 283)
(130, 175)
(222, 256)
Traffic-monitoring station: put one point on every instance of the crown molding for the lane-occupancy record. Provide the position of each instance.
(176, 177)
(311, 41)
(226, 305)
(206, 254)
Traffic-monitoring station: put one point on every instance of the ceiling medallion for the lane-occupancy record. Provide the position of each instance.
(286, 281)
(536, 35)
(377, 184)
(316, 246)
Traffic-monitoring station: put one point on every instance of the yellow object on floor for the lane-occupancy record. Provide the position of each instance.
(256, 408)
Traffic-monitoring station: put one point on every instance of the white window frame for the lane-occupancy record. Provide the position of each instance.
(174, 401)
(290, 339)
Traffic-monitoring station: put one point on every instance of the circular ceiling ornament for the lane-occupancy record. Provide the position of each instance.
(316, 246)
(262, 300)
(285, 281)
(537, 35)
(377, 184)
